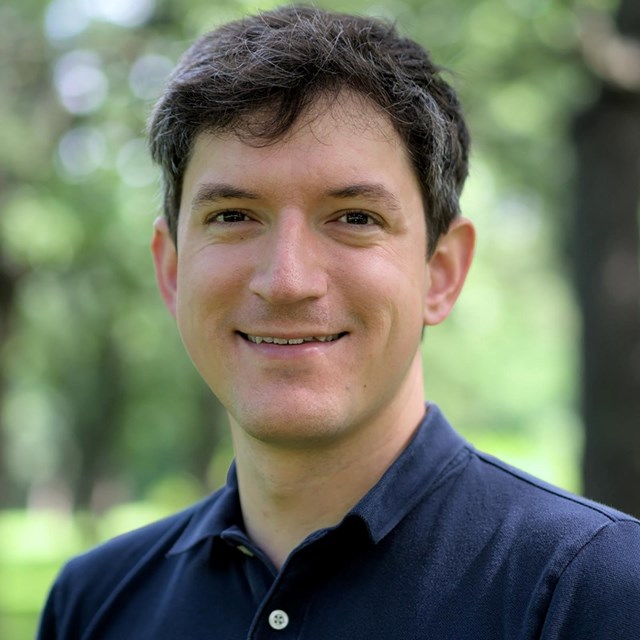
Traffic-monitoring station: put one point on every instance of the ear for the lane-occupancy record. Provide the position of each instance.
(447, 270)
(165, 260)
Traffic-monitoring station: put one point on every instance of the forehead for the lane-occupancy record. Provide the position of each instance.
(337, 142)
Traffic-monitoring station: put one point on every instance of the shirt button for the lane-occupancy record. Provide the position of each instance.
(278, 619)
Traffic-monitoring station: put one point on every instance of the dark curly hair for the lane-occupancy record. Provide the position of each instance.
(279, 62)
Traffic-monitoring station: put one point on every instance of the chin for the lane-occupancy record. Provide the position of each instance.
(290, 426)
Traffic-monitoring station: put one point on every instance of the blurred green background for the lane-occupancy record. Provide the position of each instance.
(104, 424)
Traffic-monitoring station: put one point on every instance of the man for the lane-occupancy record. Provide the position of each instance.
(312, 165)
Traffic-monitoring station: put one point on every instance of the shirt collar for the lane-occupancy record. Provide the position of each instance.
(434, 448)
(212, 516)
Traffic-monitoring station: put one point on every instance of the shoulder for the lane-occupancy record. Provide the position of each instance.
(540, 501)
(87, 581)
(123, 553)
(591, 551)
(580, 558)
(484, 491)
(536, 527)
(598, 592)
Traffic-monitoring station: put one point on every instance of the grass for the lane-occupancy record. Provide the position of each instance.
(36, 544)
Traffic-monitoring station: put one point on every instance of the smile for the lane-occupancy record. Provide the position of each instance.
(289, 341)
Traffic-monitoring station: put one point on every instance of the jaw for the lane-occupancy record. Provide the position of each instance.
(308, 402)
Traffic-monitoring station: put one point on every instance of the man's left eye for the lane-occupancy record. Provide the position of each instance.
(356, 217)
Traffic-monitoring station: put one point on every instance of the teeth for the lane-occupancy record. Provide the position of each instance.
(270, 340)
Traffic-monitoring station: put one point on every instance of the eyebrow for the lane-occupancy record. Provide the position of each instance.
(210, 192)
(372, 191)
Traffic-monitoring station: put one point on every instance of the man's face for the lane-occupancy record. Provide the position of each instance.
(300, 278)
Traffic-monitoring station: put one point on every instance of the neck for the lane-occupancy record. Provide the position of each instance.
(288, 493)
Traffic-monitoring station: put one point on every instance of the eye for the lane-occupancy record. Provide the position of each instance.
(357, 217)
(229, 216)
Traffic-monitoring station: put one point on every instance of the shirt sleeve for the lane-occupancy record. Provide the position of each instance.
(597, 596)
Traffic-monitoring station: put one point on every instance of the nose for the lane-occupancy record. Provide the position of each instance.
(289, 265)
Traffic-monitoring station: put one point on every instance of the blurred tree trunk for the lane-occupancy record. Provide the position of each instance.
(98, 423)
(8, 282)
(607, 259)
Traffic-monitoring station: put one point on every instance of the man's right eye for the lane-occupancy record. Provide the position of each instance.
(230, 216)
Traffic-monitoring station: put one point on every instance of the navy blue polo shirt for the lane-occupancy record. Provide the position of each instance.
(449, 544)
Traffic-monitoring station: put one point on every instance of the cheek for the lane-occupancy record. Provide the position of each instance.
(389, 308)
(209, 275)
(208, 287)
(390, 282)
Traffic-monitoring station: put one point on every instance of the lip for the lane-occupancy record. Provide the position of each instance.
(294, 339)
(274, 350)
